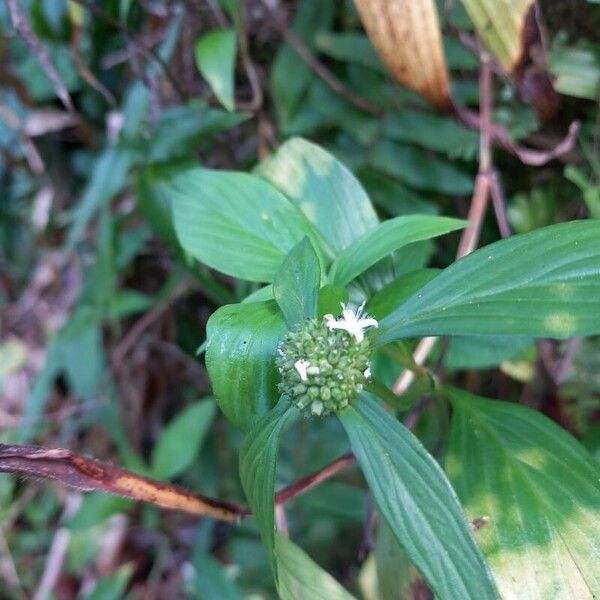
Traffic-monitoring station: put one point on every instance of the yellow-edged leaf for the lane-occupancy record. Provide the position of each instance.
(501, 24)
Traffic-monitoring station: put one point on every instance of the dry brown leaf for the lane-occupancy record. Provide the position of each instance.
(88, 475)
(407, 35)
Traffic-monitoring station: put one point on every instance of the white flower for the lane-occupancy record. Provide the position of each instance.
(367, 373)
(353, 322)
(301, 366)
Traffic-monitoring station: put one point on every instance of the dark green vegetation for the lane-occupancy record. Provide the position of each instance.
(180, 187)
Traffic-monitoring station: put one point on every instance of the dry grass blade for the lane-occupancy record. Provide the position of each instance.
(407, 35)
(88, 475)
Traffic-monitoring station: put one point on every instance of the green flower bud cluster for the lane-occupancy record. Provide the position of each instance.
(322, 370)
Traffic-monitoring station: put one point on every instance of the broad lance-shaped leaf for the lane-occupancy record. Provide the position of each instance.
(541, 284)
(236, 223)
(418, 502)
(215, 58)
(330, 196)
(484, 351)
(323, 189)
(536, 491)
(300, 578)
(241, 345)
(403, 287)
(296, 284)
(387, 237)
(258, 465)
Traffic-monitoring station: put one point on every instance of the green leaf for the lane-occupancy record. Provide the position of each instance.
(235, 222)
(387, 237)
(576, 72)
(296, 284)
(394, 197)
(418, 502)
(481, 352)
(210, 581)
(537, 489)
(258, 466)
(215, 59)
(300, 578)
(153, 200)
(242, 342)
(323, 189)
(180, 442)
(432, 131)
(182, 129)
(113, 587)
(95, 509)
(331, 297)
(80, 345)
(394, 571)
(107, 180)
(418, 169)
(541, 284)
(397, 291)
(350, 47)
(289, 91)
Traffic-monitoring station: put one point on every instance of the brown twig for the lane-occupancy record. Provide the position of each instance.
(32, 155)
(254, 104)
(528, 156)
(499, 204)
(88, 474)
(310, 481)
(470, 235)
(319, 68)
(148, 52)
(83, 70)
(131, 337)
(281, 521)
(23, 28)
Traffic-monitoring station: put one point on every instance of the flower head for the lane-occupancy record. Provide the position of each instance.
(322, 368)
(353, 322)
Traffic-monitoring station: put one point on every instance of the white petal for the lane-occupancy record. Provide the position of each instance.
(357, 332)
(350, 316)
(301, 366)
(368, 322)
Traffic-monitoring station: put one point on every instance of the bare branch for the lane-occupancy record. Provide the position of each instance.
(319, 68)
(23, 28)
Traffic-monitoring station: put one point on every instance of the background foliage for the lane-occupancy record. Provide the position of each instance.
(103, 310)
